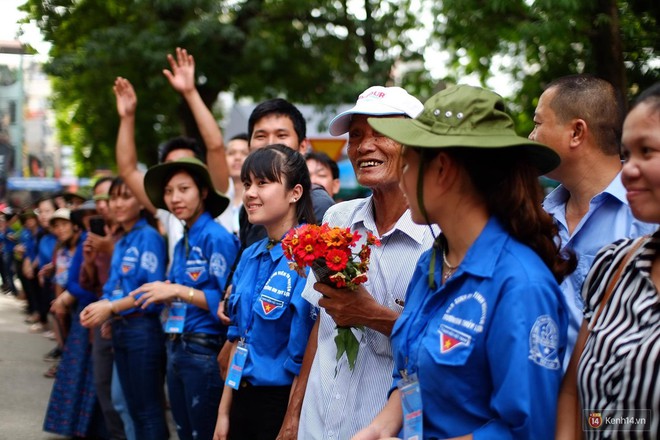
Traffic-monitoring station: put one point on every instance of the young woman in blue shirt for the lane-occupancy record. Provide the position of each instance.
(270, 321)
(478, 348)
(197, 278)
(137, 337)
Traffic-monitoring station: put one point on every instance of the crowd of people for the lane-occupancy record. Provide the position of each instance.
(489, 310)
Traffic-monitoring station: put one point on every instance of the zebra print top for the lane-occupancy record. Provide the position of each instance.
(619, 370)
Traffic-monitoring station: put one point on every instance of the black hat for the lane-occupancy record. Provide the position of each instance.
(154, 184)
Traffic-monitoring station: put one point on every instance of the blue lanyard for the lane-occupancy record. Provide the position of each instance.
(413, 337)
(123, 244)
(256, 293)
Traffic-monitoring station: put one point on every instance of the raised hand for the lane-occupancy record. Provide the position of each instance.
(126, 97)
(182, 75)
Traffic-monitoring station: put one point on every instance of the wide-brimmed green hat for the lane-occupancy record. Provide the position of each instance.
(154, 183)
(26, 213)
(466, 117)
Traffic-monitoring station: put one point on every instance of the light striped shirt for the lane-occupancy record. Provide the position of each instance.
(339, 402)
(619, 370)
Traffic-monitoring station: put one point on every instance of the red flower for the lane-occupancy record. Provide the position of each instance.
(365, 253)
(330, 250)
(336, 259)
(339, 279)
(359, 279)
(310, 243)
(372, 240)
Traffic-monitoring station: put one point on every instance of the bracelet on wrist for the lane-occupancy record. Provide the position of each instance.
(191, 295)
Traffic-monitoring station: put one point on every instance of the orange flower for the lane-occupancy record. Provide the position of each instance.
(365, 253)
(372, 240)
(331, 248)
(336, 238)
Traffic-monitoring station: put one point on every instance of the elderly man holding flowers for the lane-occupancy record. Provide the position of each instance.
(345, 387)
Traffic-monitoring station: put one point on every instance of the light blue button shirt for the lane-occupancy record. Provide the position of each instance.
(609, 219)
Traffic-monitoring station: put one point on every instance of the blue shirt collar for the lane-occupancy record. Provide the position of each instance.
(482, 256)
(276, 252)
(202, 221)
(559, 196)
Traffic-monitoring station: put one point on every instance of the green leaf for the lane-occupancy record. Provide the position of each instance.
(352, 348)
(340, 342)
(346, 342)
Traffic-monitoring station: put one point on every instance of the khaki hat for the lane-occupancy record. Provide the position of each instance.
(466, 117)
(154, 183)
(60, 214)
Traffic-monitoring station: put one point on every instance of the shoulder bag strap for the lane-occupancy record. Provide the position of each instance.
(615, 279)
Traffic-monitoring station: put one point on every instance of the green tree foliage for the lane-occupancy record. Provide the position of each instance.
(321, 52)
(310, 52)
(545, 39)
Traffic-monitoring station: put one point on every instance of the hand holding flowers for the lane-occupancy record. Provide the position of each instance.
(329, 252)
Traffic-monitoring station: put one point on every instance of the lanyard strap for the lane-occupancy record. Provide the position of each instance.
(413, 337)
(256, 293)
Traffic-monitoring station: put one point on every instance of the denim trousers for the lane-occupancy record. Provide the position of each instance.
(194, 387)
(139, 344)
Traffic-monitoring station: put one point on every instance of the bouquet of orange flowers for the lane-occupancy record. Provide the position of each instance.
(329, 252)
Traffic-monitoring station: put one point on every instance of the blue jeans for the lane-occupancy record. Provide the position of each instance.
(120, 406)
(139, 344)
(8, 271)
(194, 386)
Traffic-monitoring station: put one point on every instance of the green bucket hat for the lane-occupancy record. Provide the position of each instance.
(26, 214)
(154, 183)
(466, 117)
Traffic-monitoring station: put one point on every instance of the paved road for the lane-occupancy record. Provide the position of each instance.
(24, 391)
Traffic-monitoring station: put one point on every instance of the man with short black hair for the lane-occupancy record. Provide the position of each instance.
(277, 121)
(580, 117)
(323, 171)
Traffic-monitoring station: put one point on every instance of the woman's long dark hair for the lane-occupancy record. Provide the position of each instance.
(509, 185)
(279, 163)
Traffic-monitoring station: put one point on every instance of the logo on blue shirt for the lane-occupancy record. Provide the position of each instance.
(543, 343)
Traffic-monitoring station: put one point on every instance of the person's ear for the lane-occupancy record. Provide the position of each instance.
(579, 130)
(304, 146)
(444, 171)
(296, 193)
(336, 184)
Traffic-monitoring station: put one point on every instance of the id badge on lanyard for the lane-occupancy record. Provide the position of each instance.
(176, 318)
(236, 367)
(411, 403)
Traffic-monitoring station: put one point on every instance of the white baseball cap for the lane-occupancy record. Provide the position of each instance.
(378, 101)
